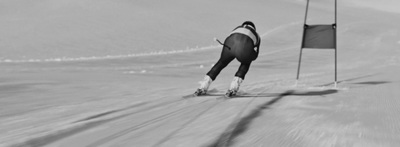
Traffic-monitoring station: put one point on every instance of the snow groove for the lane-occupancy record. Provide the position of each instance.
(185, 125)
(239, 125)
(152, 121)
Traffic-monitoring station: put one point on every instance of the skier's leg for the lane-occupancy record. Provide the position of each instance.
(238, 79)
(224, 60)
(243, 69)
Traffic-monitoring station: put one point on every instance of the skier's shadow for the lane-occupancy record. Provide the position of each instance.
(241, 125)
(349, 80)
(289, 92)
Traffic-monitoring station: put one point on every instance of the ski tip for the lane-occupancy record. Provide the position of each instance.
(224, 97)
(189, 96)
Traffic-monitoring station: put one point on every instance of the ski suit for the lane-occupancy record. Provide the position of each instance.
(243, 44)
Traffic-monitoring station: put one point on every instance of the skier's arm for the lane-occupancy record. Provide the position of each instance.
(257, 51)
(257, 47)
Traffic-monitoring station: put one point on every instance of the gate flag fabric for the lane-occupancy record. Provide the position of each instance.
(321, 36)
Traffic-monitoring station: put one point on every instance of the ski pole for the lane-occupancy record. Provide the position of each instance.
(215, 39)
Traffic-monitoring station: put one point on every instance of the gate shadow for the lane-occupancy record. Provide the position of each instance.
(240, 126)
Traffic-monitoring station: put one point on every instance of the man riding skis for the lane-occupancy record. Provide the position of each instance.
(243, 43)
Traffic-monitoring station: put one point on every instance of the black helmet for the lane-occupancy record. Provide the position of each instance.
(249, 23)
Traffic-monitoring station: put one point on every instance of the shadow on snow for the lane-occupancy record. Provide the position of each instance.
(240, 126)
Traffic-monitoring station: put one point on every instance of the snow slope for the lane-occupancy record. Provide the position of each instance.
(88, 73)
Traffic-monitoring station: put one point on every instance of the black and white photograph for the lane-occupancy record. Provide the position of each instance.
(199, 73)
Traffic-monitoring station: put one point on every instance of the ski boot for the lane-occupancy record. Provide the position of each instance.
(202, 90)
(230, 93)
(234, 88)
(199, 92)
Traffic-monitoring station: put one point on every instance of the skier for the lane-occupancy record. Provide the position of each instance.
(243, 43)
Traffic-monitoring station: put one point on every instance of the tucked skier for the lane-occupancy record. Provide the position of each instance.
(243, 43)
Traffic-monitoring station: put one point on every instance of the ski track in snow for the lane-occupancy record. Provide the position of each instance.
(154, 53)
(152, 123)
(97, 119)
(68, 59)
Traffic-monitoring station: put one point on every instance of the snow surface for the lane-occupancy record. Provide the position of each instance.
(113, 73)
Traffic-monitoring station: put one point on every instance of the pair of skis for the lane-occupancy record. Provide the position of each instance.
(227, 95)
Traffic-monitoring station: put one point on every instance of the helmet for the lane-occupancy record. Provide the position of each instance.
(249, 23)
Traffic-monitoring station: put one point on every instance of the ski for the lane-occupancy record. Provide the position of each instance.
(202, 95)
(190, 96)
(218, 94)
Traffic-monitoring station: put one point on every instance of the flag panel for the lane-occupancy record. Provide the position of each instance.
(319, 36)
